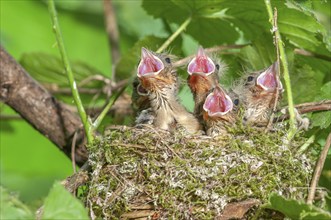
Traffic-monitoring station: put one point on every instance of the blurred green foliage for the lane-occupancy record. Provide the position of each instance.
(295, 209)
(30, 163)
(60, 204)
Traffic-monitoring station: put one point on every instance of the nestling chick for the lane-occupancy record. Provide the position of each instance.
(159, 79)
(141, 104)
(203, 76)
(139, 97)
(258, 95)
(219, 111)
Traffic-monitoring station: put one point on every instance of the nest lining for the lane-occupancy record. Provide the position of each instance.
(151, 173)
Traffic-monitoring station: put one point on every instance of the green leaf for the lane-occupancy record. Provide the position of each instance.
(295, 209)
(299, 28)
(60, 204)
(165, 9)
(260, 54)
(320, 66)
(306, 82)
(208, 29)
(325, 92)
(322, 119)
(200, 8)
(47, 68)
(251, 19)
(11, 207)
(212, 31)
(179, 10)
(130, 60)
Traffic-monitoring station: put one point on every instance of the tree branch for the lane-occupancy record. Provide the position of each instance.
(307, 107)
(113, 34)
(10, 117)
(39, 108)
(318, 170)
(311, 54)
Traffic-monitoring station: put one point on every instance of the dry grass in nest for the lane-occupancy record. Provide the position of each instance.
(153, 174)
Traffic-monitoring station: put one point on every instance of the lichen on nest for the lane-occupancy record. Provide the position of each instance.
(140, 172)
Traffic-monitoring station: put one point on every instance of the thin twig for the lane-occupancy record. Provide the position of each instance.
(70, 75)
(92, 78)
(302, 106)
(73, 153)
(181, 28)
(275, 27)
(185, 60)
(318, 170)
(10, 117)
(104, 112)
(113, 34)
(67, 91)
(311, 54)
(305, 108)
(54, 89)
(286, 74)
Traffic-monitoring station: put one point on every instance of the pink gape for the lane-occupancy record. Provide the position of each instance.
(149, 64)
(201, 64)
(267, 80)
(218, 103)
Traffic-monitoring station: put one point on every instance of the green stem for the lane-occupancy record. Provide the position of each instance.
(286, 74)
(104, 112)
(174, 35)
(70, 75)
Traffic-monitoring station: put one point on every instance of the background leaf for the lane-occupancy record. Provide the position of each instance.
(295, 209)
(48, 68)
(11, 207)
(60, 204)
(165, 9)
(212, 31)
(322, 119)
(199, 8)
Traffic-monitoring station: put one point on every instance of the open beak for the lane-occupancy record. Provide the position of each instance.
(201, 64)
(268, 80)
(218, 103)
(150, 65)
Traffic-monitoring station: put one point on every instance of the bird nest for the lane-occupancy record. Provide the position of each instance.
(147, 173)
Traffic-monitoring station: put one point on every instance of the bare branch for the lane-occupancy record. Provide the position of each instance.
(10, 117)
(113, 34)
(311, 54)
(73, 147)
(38, 107)
(318, 170)
(307, 107)
(314, 106)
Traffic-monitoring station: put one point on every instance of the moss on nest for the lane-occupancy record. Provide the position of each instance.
(150, 172)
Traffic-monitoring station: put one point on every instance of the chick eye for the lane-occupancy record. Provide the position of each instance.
(236, 101)
(217, 66)
(141, 90)
(250, 78)
(167, 59)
